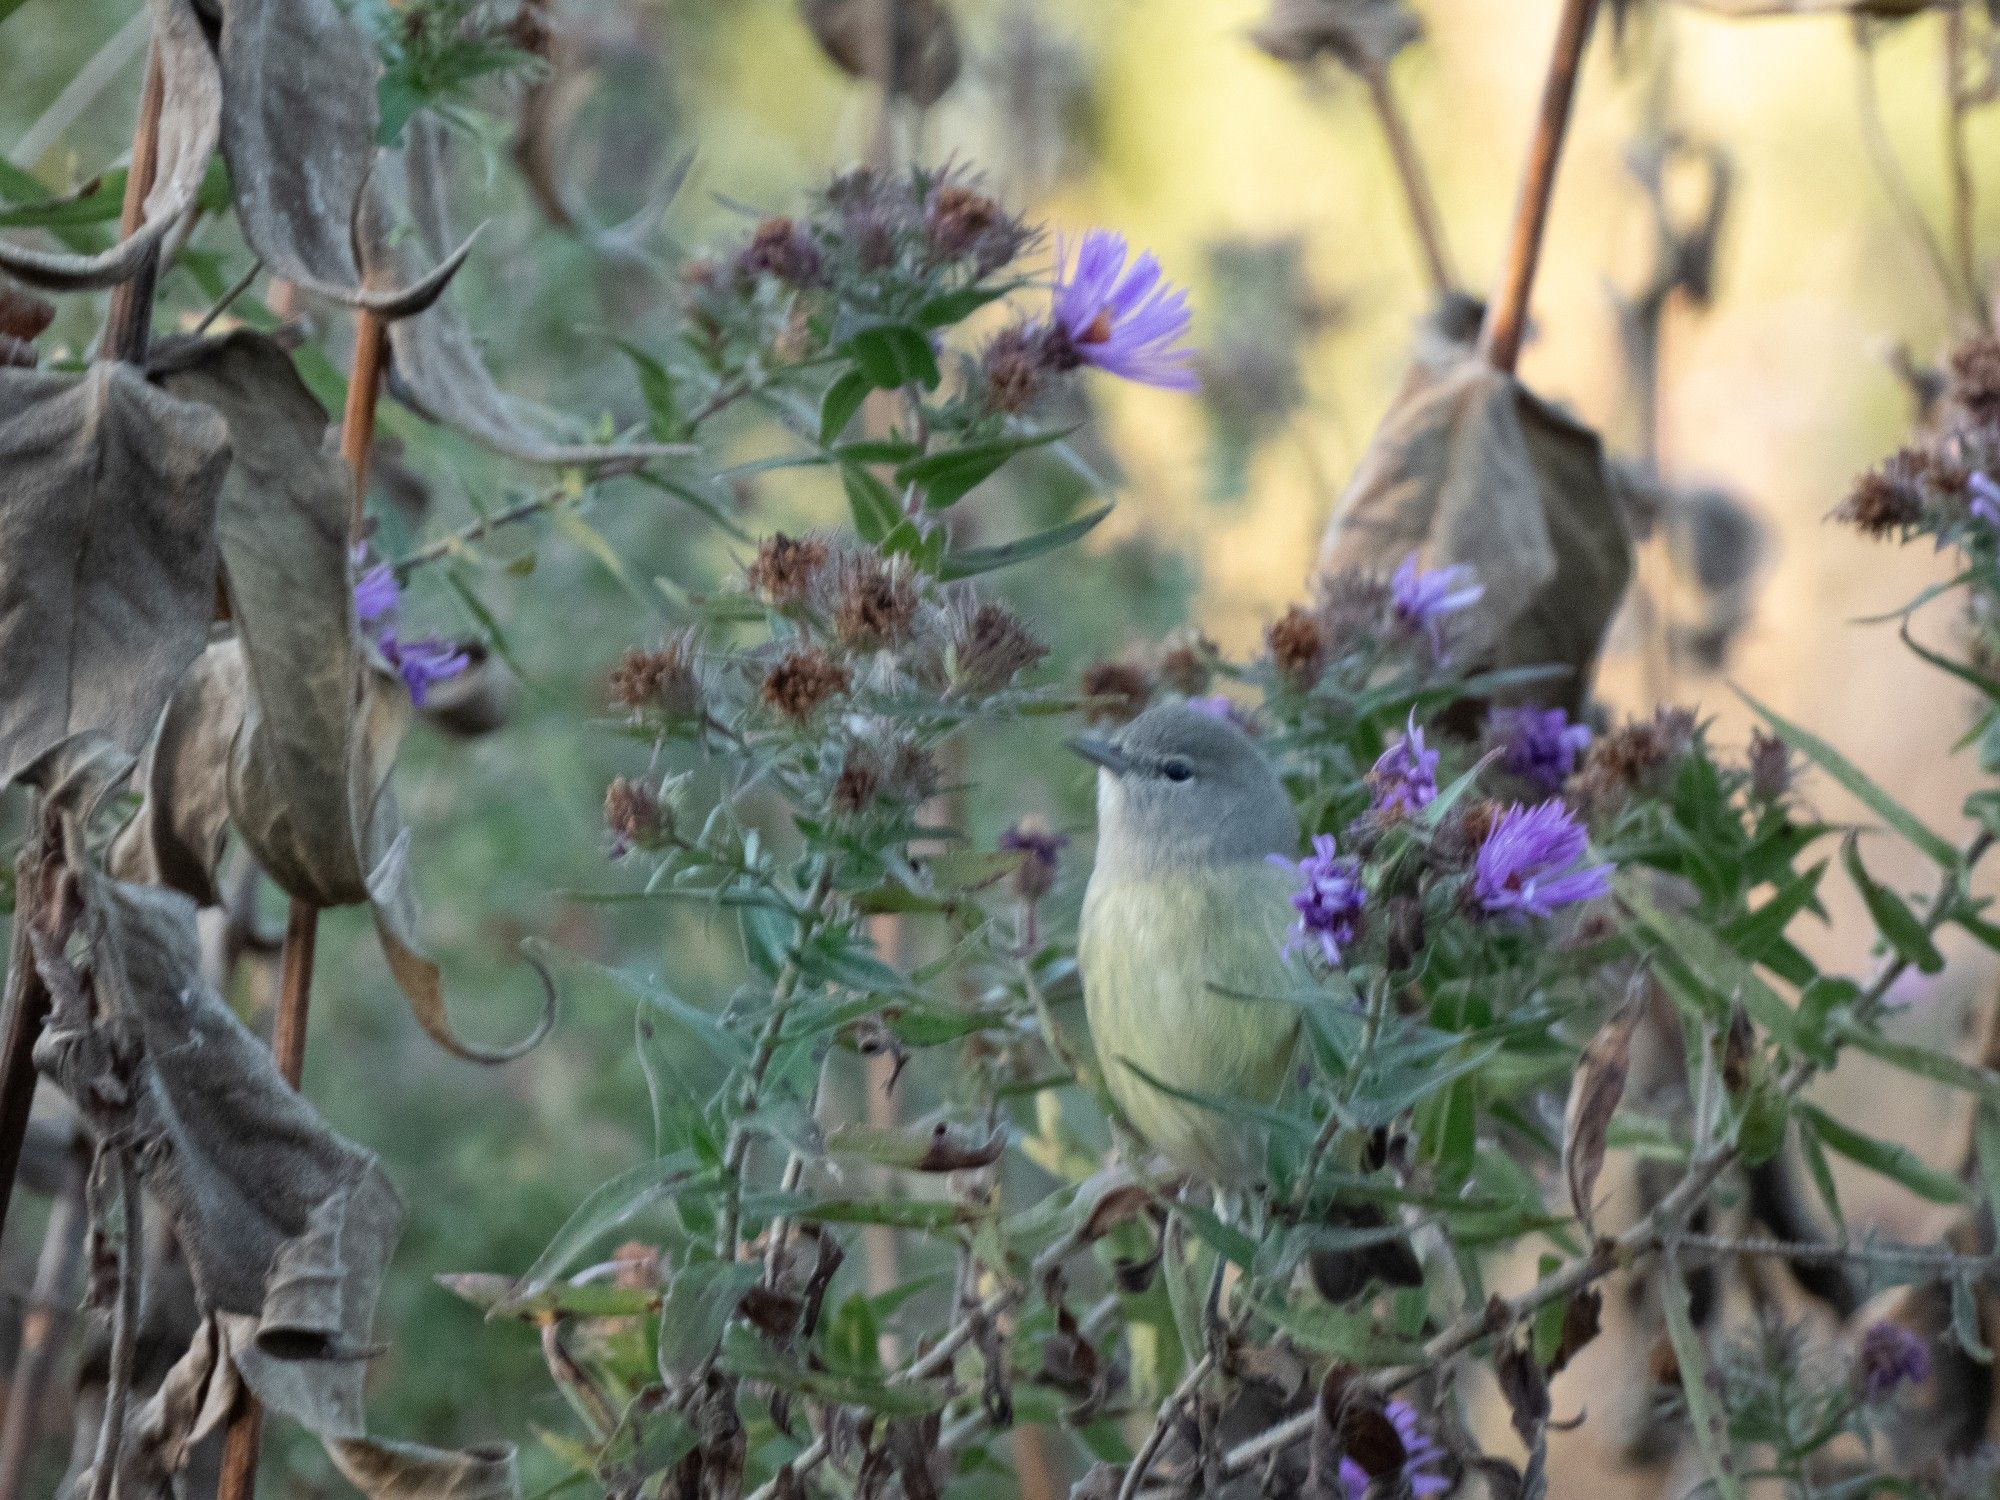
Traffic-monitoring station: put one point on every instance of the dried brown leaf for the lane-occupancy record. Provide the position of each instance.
(919, 59)
(175, 839)
(189, 123)
(1470, 467)
(1526, 1391)
(107, 555)
(438, 370)
(1593, 1097)
(1363, 35)
(1582, 1319)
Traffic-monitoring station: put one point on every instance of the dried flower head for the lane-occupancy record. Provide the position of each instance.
(1352, 606)
(1887, 500)
(990, 645)
(633, 815)
(1118, 690)
(1770, 761)
(1187, 663)
(1016, 365)
(786, 568)
(1359, 34)
(870, 603)
(1298, 647)
(783, 250)
(1975, 378)
(1040, 849)
(802, 681)
(664, 682)
(963, 224)
(1634, 755)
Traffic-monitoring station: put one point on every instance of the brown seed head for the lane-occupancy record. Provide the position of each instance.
(786, 568)
(1885, 500)
(1121, 691)
(632, 814)
(1187, 665)
(1298, 647)
(1770, 767)
(1975, 378)
(781, 250)
(663, 681)
(872, 605)
(802, 681)
(990, 647)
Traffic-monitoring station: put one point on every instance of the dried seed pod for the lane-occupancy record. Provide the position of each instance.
(917, 60)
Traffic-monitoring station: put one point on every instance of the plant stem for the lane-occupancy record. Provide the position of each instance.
(1506, 318)
(1417, 195)
(124, 1331)
(1902, 197)
(47, 1310)
(1957, 158)
(128, 326)
(27, 1012)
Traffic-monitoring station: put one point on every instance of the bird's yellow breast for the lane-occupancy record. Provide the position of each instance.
(1164, 959)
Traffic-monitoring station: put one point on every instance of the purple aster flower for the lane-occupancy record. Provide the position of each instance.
(1985, 498)
(1404, 778)
(1329, 899)
(1124, 321)
(1891, 1355)
(423, 663)
(1422, 597)
(376, 594)
(1539, 745)
(1421, 1458)
(1528, 865)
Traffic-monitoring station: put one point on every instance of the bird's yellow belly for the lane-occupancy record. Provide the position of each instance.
(1164, 960)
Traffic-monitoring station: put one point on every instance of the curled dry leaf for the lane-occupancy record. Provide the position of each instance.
(919, 59)
(1363, 35)
(437, 369)
(298, 133)
(107, 556)
(175, 839)
(308, 778)
(1470, 467)
(1593, 1097)
(189, 122)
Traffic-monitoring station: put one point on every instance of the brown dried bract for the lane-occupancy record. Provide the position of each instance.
(1888, 498)
(663, 681)
(786, 568)
(1119, 691)
(802, 681)
(872, 604)
(1975, 378)
(632, 813)
(1298, 647)
(991, 647)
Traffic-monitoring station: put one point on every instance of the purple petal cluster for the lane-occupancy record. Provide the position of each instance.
(1530, 863)
(421, 663)
(1422, 1460)
(1220, 706)
(1421, 597)
(1124, 321)
(1403, 780)
(1985, 504)
(1891, 1356)
(1539, 745)
(1329, 900)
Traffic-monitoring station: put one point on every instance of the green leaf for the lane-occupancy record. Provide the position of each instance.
(656, 385)
(1892, 916)
(951, 307)
(1939, 1067)
(1711, 1425)
(615, 1203)
(1976, 680)
(1686, 947)
(874, 508)
(946, 477)
(1754, 934)
(1849, 775)
(842, 400)
(890, 356)
(1886, 1158)
(8, 7)
(972, 561)
(698, 1308)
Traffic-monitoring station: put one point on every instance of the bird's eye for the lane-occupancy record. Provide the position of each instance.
(1176, 770)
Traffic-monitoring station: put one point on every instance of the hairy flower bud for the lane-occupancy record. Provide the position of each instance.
(1039, 850)
(1298, 647)
(802, 681)
(870, 603)
(786, 569)
(633, 815)
(664, 682)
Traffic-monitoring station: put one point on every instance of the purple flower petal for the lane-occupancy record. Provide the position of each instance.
(376, 594)
(1527, 866)
(1126, 322)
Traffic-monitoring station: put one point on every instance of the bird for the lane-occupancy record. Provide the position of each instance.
(1183, 928)
(1181, 950)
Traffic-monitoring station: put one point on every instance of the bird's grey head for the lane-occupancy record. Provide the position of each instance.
(1179, 786)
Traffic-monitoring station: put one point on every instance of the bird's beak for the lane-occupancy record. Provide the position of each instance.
(1100, 751)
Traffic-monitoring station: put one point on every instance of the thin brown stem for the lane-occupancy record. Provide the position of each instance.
(1507, 316)
(1902, 197)
(288, 1027)
(1417, 195)
(41, 1322)
(124, 1331)
(129, 325)
(1958, 158)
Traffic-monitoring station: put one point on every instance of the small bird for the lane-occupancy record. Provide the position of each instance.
(1185, 916)
(1184, 926)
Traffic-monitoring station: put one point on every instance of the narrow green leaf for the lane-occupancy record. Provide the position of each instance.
(892, 355)
(656, 385)
(1711, 1424)
(950, 307)
(1978, 681)
(616, 1202)
(1892, 915)
(1849, 775)
(1939, 1067)
(698, 1308)
(972, 561)
(1885, 1158)
(842, 400)
(874, 509)
(1678, 941)
(946, 477)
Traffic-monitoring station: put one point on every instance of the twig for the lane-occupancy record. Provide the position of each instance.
(1506, 318)
(124, 1331)
(27, 1010)
(128, 327)
(82, 90)
(1410, 172)
(1902, 197)
(1957, 157)
(48, 1308)
(223, 303)
(1946, 1262)
(1170, 1410)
